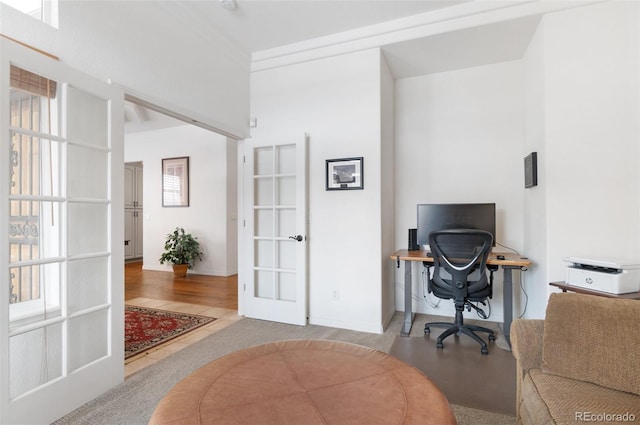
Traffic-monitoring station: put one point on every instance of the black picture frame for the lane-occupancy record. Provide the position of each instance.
(345, 174)
(531, 170)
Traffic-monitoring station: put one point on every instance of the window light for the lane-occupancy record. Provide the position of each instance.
(42, 10)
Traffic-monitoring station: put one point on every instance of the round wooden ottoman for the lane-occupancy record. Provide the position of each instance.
(305, 383)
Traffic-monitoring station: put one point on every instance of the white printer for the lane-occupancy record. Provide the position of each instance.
(611, 276)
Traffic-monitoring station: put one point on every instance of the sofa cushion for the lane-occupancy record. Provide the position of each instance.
(553, 399)
(533, 408)
(593, 339)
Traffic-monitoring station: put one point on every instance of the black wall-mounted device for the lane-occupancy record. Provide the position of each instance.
(531, 170)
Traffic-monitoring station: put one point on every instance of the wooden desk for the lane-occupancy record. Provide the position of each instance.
(566, 287)
(510, 262)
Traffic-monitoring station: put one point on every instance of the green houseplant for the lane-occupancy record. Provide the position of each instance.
(182, 250)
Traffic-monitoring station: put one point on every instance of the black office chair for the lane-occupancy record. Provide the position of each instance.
(457, 253)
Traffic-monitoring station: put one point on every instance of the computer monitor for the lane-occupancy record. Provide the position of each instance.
(433, 217)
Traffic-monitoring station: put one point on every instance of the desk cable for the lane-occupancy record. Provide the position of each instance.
(426, 275)
(522, 280)
(507, 247)
(526, 296)
(479, 311)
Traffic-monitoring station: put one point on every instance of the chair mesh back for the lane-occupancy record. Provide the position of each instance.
(457, 253)
(461, 249)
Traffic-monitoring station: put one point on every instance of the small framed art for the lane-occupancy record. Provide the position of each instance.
(345, 174)
(175, 182)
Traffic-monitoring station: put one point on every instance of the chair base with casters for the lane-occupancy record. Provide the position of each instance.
(458, 328)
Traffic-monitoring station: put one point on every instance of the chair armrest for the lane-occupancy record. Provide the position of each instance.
(526, 342)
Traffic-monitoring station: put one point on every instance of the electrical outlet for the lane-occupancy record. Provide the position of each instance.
(335, 295)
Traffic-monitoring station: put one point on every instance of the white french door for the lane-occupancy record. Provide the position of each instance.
(61, 255)
(275, 242)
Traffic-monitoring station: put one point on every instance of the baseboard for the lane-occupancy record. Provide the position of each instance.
(133, 260)
(223, 273)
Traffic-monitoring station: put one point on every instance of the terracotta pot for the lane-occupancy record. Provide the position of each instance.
(180, 270)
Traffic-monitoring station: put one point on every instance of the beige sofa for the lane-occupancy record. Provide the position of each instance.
(581, 363)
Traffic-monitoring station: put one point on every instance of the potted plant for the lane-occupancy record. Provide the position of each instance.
(182, 250)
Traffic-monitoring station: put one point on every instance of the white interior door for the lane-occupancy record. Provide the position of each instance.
(275, 286)
(129, 233)
(61, 255)
(129, 186)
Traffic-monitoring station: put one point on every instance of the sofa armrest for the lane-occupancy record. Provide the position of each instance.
(526, 347)
(526, 342)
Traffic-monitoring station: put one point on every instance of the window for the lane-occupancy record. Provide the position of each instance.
(43, 10)
(34, 200)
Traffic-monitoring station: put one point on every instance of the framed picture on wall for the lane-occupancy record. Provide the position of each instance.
(175, 182)
(345, 174)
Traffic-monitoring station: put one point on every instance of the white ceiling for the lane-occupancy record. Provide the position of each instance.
(258, 25)
(481, 45)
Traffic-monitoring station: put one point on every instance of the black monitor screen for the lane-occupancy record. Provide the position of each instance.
(433, 217)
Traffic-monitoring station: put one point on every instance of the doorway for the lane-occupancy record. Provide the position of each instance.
(133, 208)
(151, 136)
(211, 286)
(138, 119)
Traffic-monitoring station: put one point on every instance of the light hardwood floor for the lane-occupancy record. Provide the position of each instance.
(211, 291)
(211, 296)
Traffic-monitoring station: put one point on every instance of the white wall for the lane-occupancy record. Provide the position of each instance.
(144, 49)
(338, 102)
(535, 198)
(459, 138)
(581, 92)
(387, 206)
(210, 216)
(591, 134)
(232, 208)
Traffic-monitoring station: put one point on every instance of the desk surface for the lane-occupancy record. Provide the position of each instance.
(510, 259)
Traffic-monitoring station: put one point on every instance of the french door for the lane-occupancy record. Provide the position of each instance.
(61, 255)
(275, 242)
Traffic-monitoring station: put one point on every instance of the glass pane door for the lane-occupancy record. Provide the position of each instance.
(58, 225)
(275, 179)
(60, 327)
(275, 209)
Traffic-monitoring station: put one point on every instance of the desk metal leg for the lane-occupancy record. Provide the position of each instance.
(507, 302)
(408, 314)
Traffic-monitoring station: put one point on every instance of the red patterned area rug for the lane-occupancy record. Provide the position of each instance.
(145, 328)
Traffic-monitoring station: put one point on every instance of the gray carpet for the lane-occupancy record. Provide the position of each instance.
(133, 401)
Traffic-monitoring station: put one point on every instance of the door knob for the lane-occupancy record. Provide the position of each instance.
(298, 238)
